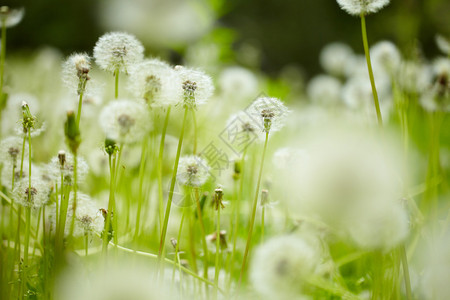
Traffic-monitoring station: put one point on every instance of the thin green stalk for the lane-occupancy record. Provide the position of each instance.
(236, 217)
(11, 211)
(172, 187)
(404, 260)
(38, 226)
(369, 67)
(217, 262)
(116, 184)
(27, 222)
(252, 220)
(194, 119)
(2, 57)
(80, 103)
(177, 247)
(110, 205)
(24, 279)
(141, 183)
(203, 233)
(160, 162)
(262, 222)
(75, 190)
(116, 83)
(86, 243)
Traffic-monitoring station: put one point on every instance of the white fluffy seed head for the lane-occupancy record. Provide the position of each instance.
(88, 218)
(36, 196)
(386, 58)
(325, 90)
(378, 225)
(269, 113)
(75, 72)
(414, 77)
(365, 7)
(347, 171)
(11, 16)
(118, 50)
(66, 167)
(334, 58)
(197, 87)
(281, 265)
(125, 121)
(156, 82)
(238, 83)
(192, 171)
(443, 44)
(11, 150)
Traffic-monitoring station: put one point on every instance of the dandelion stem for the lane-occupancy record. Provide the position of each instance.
(160, 162)
(262, 223)
(141, 183)
(25, 249)
(217, 265)
(369, 67)
(106, 232)
(80, 103)
(75, 189)
(2, 58)
(252, 220)
(177, 247)
(172, 187)
(194, 119)
(404, 260)
(116, 85)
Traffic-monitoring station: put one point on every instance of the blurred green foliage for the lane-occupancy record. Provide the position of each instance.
(287, 32)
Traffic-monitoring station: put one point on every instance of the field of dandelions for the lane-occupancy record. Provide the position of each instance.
(126, 177)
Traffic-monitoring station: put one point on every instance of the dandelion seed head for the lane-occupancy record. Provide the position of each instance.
(192, 171)
(281, 265)
(334, 57)
(443, 44)
(414, 77)
(75, 72)
(11, 16)
(63, 164)
(238, 83)
(378, 225)
(269, 113)
(118, 50)
(35, 196)
(88, 220)
(386, 58)
(324, 90)
(365, 7)
(197, 87)
(125, 121)
(345, 170)
(11, 150)
(156, 82)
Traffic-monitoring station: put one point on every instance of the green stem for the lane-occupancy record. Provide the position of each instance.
(177, 247)
(194, 119)
(24, 280)
(27, 222)
(172, 187)
(141, 183)
(404, 260)
(369, 67)
(116, 85)
(203, 233)
(116, 184)
(86, 243)
(2, 57)
(262, 223)
(75, 190)
(217, 265)
(110, 205)
(160, 162)
(80, 103)
(252, 220)
(236, 217)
